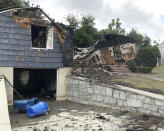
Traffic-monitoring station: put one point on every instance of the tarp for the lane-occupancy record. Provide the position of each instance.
(4, 114)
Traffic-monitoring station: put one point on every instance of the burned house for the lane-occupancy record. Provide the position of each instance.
(114, 50)
(35, 54)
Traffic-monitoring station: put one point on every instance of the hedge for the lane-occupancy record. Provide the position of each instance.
(141, 69)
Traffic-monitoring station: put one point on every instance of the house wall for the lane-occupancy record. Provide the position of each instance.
(15, 48)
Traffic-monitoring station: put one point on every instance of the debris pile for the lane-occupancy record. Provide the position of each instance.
(99, 74)
(113, 50)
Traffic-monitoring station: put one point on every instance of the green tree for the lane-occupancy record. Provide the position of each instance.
(114, 28)
(13, 3)
(144, 40)
(156, 51)
(135, 35)
(73, 21)
(84, 33)
(146, 57)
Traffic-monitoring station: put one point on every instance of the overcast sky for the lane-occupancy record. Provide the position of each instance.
(147, 16)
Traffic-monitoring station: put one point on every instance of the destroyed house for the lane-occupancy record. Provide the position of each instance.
(35, 54)
(112, 50)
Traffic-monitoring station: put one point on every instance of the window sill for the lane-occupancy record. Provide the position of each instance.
(33, 48)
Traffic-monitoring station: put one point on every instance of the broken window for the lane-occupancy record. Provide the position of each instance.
(42, 37)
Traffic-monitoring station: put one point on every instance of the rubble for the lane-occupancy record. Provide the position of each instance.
(66, 115)
(98, 74)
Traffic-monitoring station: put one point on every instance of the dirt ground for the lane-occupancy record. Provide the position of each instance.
(70, 116)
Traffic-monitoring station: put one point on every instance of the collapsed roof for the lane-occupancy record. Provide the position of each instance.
(113, 40)
(110, 40)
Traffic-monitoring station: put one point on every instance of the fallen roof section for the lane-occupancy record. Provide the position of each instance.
(110, 40)
(113, 40)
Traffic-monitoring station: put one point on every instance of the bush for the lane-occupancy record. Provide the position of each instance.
(147, 69)
(141, 69)
(133, 69)
(146, 57)
(131, 64)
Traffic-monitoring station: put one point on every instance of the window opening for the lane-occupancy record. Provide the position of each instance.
(42, 37)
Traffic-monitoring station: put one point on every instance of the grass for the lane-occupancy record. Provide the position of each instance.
(143, 83)
(158, 71)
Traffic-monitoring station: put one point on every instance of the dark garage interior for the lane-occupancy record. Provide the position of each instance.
(35, 82)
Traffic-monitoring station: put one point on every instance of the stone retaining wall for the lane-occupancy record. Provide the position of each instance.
(83, 91)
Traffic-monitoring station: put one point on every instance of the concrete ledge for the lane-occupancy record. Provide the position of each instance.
(140, 92)
(82, 90)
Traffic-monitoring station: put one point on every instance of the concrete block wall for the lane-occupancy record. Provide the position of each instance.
(83, 91)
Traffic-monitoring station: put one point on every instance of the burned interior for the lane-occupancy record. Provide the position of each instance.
(35, 82)
(39, 36)
(42, 36)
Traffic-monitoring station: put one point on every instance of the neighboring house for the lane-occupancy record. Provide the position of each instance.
(34, 53)
(161, 48)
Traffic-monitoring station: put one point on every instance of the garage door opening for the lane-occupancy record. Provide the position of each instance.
(35, 82)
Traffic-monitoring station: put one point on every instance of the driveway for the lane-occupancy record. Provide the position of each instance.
(71, 116)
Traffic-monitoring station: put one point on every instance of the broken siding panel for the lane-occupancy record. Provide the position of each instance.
(16, 47)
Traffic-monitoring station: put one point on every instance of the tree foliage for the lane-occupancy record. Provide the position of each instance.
(84, 34)
(73, 21)
(135, 35)
(144, 40)
(156, 51)
(13, 3)
(146, 57)
(114, 28)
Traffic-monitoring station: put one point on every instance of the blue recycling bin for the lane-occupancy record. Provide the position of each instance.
(38, 109)
(22, 105)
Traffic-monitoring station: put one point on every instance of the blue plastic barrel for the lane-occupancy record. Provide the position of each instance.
(37, 109)
(22, 105)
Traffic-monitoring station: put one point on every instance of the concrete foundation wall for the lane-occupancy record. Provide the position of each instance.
(62, 73)
(82, 91)
(8, 73)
